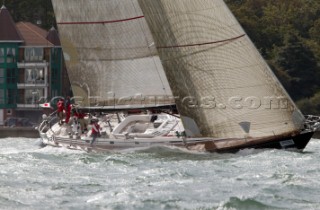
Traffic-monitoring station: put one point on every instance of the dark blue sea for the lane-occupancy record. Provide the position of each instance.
(156, 178)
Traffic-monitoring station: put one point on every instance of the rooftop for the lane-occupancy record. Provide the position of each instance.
(53, 37)
(8, 32)
(33, 35)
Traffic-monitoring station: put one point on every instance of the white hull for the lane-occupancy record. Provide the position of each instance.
(122, 144)
(118, 139)
(135, 131)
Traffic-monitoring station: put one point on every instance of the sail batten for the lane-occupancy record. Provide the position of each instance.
(220, 85)
(200, 44)
(100, 22)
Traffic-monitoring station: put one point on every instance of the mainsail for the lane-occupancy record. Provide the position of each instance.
(110, 53)
(225, 88)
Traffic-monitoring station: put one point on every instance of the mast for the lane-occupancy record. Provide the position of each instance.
(223, 86)
(110, 54)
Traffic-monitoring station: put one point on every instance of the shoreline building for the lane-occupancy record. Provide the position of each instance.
(32, 69)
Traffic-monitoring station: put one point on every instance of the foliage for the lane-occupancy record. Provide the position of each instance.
(310, 105)
(287, 33)
(298, 61)
(39, 12)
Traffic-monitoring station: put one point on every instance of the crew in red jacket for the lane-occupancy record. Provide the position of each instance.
(95, 132)
(68, 113)
(60, 108)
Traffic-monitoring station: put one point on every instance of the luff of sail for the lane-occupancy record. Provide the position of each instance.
(110, 54)
(225, 88)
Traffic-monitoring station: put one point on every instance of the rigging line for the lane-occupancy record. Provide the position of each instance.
(99, 22)
(153, 57)
(200, 44)
(112, 48)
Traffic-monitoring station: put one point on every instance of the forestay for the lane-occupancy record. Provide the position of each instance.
(225, 87)
(110, 53)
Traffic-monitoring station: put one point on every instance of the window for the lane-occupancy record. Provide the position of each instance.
(54, 93)
(33, 96)
(54, 76)
(33, 76)
(11, 76)
(2, 76)
(55, 55)
(33, 54)
(12, 96)
(11, 55)
(1, 55)
(2, 96)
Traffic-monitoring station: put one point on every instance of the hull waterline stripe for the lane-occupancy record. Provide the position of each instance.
(100, 22)
(200, 44)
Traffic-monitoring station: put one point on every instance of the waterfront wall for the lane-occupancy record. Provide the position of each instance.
(6, 132)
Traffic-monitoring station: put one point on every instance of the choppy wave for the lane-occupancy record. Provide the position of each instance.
(32, 177)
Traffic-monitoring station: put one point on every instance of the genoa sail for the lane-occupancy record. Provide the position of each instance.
(110, 54)
(222, 85)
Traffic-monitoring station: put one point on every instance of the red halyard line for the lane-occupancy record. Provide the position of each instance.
(100, 22)
(200, 44)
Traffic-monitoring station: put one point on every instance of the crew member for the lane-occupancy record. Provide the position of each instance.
(68, 109)
(95, 132)
(60, 108)
(83, 123)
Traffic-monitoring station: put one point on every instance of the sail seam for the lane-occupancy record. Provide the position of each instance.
(100, 22)
(200, 44)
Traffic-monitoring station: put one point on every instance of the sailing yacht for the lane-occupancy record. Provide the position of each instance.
(192, 56)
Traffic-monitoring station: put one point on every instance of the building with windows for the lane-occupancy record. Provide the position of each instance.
(32, 69)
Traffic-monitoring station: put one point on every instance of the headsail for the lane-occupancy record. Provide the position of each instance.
(224, 85)
(110, 53)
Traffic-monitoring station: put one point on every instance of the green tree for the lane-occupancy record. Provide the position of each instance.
(287, 34)
(299, 62)
(39, 12)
